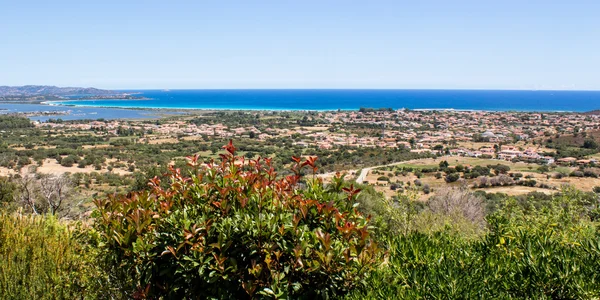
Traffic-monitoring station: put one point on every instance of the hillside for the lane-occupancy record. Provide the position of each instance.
(45, 90)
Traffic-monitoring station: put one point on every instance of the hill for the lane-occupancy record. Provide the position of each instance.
(45, 90)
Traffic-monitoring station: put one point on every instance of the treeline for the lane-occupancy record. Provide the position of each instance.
(13, 122)
(370, 109)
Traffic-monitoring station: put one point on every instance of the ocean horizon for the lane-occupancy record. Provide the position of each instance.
(351, 99)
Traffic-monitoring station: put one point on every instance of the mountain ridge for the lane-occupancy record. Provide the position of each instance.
(50, 90)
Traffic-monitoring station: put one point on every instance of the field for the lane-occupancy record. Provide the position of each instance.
(467, 162)
(528, 171)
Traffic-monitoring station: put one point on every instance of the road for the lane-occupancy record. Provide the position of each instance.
(364, 172)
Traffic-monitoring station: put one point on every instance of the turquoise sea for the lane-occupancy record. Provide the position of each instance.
(492, 100)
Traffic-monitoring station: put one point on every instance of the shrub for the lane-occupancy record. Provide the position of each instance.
(577, 174)
(43, 259)
(82, 163)
(501, 169)
(590, 173)
(68, 161)
(543, 169)
(383, 178)
(483, 181)
(452, 177)
(546, 254)
(233, 230)
(458, 202)
(426, 189)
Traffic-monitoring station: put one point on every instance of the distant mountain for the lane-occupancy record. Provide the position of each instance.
(46, 90)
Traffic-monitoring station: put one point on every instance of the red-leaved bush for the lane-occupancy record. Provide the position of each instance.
(234, 229)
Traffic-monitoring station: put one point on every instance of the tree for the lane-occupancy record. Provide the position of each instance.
(444, 165)
(55, 190)
(26, 195)
(501, 169)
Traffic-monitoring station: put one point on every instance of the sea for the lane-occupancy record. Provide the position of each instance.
(323, 100)
(44, 113)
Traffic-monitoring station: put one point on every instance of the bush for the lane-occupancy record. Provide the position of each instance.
(43, 259)
(383, 178)
(577, 174)
(590, 173)
(426, 189)
(549, 254)
(68, 161)
(82, 163)
(543, 169)
(501, 169)
(458, 202)
(234, 231)
(452, 177)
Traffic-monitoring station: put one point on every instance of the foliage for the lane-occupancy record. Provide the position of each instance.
(44, 259)
(233, 230)
(452, 177)
(7, 193)
(551, 253)
(14, 122)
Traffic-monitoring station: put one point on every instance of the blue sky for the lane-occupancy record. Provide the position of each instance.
(301, 44)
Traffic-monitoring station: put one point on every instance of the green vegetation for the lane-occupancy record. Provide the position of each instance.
(232, 230)
(14, 122)
(525, 253)
(43, 258)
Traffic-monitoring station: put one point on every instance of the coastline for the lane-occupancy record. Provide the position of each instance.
(346, 100)
(191, 109)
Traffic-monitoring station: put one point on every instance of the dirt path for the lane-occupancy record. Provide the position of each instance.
(365, 171)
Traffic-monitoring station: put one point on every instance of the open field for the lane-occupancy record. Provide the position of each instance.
(52, 167)
(467, 161)
(528, 171)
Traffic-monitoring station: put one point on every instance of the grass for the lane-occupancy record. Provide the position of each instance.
(459, 160)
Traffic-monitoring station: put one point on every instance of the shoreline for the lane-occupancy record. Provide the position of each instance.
(203, 109)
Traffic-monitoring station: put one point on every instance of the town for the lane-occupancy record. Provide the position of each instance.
(395, 151)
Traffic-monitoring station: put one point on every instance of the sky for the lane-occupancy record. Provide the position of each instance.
(435, 44)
